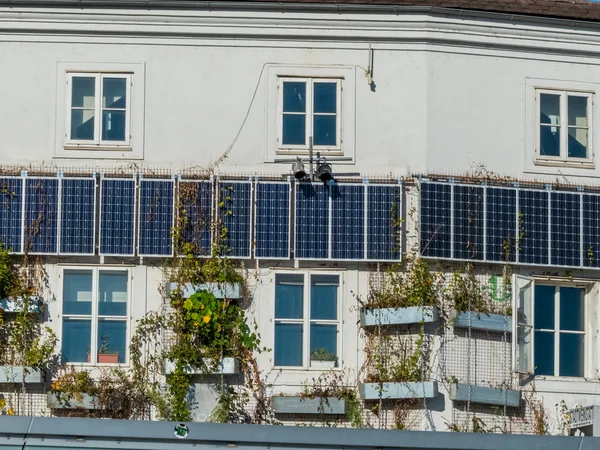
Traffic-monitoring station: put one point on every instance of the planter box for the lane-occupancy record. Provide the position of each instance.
(398, 316)
(485, 395)
(299, 405)
(106, 358)
(482, 321)
(57, 400)
(231, 291)
(228, 366)
(389, 391)
(323, 365)
(13, 304)
(18, 374)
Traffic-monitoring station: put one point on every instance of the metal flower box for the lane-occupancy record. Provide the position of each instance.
(300, 405)
(399, 316)
(59, 400)
(15, 304)
(19, 374)
(227, 366)
(392, 391)
(231, 291)
(482, 321)
(485, 395)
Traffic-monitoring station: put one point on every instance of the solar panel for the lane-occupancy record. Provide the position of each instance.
(77, 216)
(384, 212)
(565, 222)
(41, 215)
(468, 222)
(501, 217)
(347, 221)
(272, 239)
(11, 213)
(591, 230)
(533, 227)
(312, 221)
(117, 216)
(155, 219)
(195, 209)
(436, 220)
(234, 209)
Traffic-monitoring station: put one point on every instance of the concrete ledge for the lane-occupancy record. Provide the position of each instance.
(391, 391)
(19, 374)
(228, 366)
(482, 321)
(219, 290)
(485, 395)
(299, 405)
(398, 316)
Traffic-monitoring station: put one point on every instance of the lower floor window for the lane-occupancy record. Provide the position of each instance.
(306, 320)
(94, 322)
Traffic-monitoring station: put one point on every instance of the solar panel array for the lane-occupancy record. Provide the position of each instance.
(195, 215)
(77, 216)
(41, 215)
(11, 213)
(117, 216)
(234, 209)
(512, 224)
(273, 217)
(155, 218)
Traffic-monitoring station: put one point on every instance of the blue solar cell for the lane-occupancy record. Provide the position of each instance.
(384, 213)
(235, 211)
(533, 227)
(348, 221)
(41, 215)
(156, 217)
(501, 223)
(11, 213)
(77, 216)
(435, 220)
(272, 238)
(312, 221)
(565, 222)
(468, 222)
(195, 213)
(117, 216)
(591, 230)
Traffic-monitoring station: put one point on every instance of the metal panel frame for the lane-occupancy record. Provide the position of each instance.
(135, 187)
(96, 223)
(289, 252)
(139, 216)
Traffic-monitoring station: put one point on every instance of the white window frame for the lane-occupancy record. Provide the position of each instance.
(310, 114)
(98, 92)
(528, 368)
(564, 127)
(94, 316)
(306, 321)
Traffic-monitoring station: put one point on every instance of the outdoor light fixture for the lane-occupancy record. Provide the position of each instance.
(324, 172)
(298, 170)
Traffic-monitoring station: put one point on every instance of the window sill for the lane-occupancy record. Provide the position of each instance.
(569, 164)
(302, 370)
(115, 148)
(566, 385)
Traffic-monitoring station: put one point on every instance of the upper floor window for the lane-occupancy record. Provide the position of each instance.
(306, 320)
(94, 315)
(310, 109)
(564, 126)
(99, 109)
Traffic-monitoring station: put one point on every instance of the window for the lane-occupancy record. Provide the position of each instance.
(564, 128)
(550, 321)
(99, 110)
(94, 328)
(310, 108)
(306, 320)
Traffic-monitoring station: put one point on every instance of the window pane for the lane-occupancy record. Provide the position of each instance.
(325, 97)
(550, 109)
(112, 293)
(114, 93)
(578, 142)
(524, 349)
(325, 130)
(571, 309)
(111, 341)
(288, 344)
(323, 297)
(544, 307)
(294, 96)
(82, 124)
(84, 92)
(323, 337)
(549, 140)
(77, 292)
(76, 340)
(113, 125)
(577, 108)
(289, 295)
(544, 353)
(571, 355)
(294, 129)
